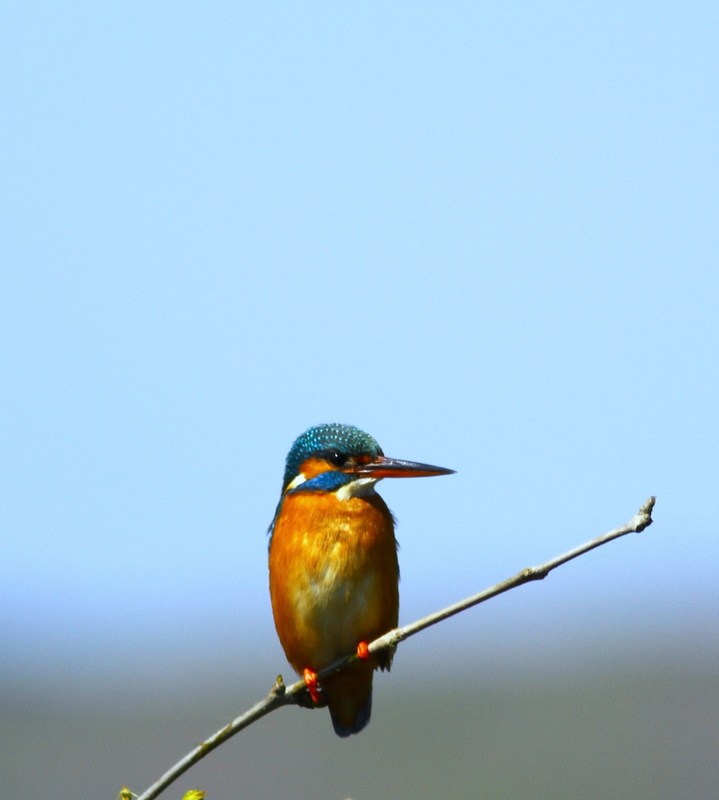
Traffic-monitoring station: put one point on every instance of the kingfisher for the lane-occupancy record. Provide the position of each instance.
(334, 574)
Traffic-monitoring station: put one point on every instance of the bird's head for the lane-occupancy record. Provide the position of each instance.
(344, 459)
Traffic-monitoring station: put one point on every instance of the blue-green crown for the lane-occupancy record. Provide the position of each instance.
(323, 439)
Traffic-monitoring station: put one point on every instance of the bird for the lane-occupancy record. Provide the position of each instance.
(333, 568)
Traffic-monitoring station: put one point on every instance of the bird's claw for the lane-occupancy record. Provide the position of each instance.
(310, 679)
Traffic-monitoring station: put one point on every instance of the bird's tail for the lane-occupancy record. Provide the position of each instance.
(349, 698)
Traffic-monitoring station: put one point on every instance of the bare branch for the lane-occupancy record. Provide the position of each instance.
(297, 693)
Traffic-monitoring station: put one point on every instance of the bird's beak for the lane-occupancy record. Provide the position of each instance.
(383, 467)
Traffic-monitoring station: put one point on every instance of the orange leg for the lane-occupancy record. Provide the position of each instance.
(363, 651)
(310, 679)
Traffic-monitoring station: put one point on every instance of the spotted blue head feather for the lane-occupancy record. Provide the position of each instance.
(323, 439)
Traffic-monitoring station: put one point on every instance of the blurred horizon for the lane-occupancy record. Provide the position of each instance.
(603, 727)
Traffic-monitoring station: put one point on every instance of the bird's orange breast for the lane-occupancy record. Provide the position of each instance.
(333, 575)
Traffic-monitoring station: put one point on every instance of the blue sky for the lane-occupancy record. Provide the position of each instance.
(487, 234)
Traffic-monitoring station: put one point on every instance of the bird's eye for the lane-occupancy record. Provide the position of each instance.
(336, 458)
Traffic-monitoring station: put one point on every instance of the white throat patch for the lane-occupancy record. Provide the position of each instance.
(357, 488)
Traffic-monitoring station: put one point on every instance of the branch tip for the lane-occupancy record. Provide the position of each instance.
(643, 518)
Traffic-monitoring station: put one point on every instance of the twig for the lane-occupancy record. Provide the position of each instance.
(297, 693)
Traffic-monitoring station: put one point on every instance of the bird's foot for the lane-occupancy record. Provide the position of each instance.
(310, 679)
(363, 651)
